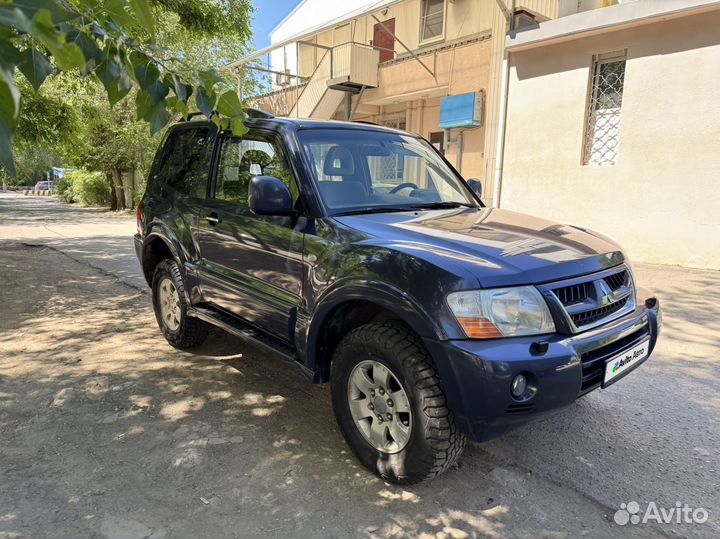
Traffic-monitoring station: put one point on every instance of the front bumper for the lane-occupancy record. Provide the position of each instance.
(477, 374)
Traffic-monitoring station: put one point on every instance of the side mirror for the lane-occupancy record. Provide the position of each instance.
(476, 186)
(268, 195)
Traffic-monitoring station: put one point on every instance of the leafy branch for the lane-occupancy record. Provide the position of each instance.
(114, 41)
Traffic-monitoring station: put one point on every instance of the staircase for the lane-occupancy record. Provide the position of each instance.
(343, 69)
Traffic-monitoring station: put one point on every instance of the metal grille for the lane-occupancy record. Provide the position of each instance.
(602, 130)
(596, 299)
(593, 362)
(577, 293)
(617, 280)
(391, 168)
(590, 317)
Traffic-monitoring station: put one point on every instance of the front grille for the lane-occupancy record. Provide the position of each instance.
(616, 280)
(590, 317)
(519, 408)
(592, 300)
(576, 293)
(593, 362)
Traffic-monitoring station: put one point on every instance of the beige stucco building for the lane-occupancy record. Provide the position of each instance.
(613, 123)
(601, 113)
(401, 58)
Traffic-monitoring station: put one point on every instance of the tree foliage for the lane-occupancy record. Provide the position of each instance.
(85, 188)
(147, 51)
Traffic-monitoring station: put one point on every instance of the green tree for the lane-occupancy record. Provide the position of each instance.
(46, 125)
(33, 162)
(147, 54)
(108, 139)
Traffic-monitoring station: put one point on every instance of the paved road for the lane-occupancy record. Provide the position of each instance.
(654, 437)
(98, 237)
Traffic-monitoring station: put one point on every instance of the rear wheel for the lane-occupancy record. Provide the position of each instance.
(170, 305)
(390, 405)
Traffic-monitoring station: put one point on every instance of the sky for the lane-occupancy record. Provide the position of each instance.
(268, 14)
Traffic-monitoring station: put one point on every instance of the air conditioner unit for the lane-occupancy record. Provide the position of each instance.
(283, 80)
(464, 110)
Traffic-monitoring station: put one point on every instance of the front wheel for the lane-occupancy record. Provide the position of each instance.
(390, 405)
(168, 292)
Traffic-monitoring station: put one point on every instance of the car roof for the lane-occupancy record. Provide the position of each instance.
(297, 124)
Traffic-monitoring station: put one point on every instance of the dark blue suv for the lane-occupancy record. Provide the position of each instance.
(359, 254)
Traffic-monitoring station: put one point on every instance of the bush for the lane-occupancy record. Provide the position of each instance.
(63, 189)
(89, 188)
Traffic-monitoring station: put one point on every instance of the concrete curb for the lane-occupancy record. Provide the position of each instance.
(118, 278)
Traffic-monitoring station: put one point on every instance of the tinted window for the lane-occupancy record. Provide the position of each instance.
(185, 162)
(243, 158)
(372, 169)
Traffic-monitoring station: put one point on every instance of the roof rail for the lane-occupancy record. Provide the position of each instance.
(366, 122)
(257, 113)
(249, 111)
(194, 114)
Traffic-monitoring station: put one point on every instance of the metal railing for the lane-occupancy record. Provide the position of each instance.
(356, 61)
(602, 128)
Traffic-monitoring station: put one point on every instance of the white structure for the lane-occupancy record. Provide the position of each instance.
(614, 124)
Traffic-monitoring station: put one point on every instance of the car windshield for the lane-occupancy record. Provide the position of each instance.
(360, 171)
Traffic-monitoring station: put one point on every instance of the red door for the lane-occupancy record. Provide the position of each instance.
(384, 41)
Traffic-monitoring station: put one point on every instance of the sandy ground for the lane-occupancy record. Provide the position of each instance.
(106, 431)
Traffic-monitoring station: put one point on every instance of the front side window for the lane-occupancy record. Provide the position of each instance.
(602, 124)
(243, 158)
(359, 171)
(432, 20)
(185, 162)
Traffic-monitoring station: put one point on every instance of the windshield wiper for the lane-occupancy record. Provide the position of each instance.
(442, 205)
(374, 209)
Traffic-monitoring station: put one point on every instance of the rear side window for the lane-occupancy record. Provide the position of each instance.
(185, 162)
(241, 159)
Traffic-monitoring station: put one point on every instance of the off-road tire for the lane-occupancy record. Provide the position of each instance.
(192, 331)
(435, 442)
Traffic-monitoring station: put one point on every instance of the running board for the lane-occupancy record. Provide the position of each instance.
(247, 333)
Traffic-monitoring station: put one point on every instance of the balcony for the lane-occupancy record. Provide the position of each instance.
(347, 68)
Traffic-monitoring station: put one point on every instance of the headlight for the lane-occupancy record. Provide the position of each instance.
(501, 312)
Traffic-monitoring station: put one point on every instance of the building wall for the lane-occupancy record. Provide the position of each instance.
(661, 200)
(463, 18)
(568, 7)
(406, 89)
(469, 58)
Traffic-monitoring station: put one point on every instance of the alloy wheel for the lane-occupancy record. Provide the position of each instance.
(379, 406)
(169, 299)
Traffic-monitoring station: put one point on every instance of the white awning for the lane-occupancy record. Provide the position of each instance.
(367, 9)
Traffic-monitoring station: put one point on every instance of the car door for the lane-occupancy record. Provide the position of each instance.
(250, 265)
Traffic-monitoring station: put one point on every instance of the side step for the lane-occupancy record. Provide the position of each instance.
(246, 332)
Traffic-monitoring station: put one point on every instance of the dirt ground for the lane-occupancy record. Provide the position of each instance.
(107, 432)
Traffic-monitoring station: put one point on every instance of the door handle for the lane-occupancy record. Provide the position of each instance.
(213, 219)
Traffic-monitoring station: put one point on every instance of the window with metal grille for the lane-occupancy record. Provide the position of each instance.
(432, 20)
(390, 168)
(602, 123)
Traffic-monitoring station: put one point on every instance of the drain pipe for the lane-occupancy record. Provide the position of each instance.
(502, 126)
(502, 115)
(458, 143)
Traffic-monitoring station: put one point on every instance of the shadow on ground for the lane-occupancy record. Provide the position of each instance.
(108, 432)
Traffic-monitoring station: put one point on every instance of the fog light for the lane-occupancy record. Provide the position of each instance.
(519, 385)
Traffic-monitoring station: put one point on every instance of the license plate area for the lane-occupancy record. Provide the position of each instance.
(625, 361)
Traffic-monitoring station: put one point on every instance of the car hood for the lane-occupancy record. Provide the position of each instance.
(498, 247)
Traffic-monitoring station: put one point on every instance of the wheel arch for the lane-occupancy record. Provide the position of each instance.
(157, 246)
(351, 306)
